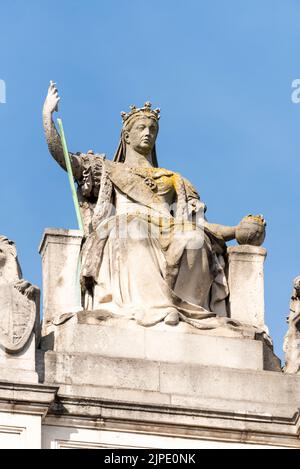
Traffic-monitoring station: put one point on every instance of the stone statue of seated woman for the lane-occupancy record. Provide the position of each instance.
(148, 253)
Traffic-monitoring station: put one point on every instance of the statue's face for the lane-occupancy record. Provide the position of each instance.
(142, 135)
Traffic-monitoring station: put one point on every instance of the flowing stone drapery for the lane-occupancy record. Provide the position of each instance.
(147, 260)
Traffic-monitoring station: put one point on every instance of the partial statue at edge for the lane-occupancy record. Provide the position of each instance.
(291, 345)
(149, 253)
(19, 301)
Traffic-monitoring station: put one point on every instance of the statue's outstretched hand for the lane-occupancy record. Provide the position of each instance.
(52, 99)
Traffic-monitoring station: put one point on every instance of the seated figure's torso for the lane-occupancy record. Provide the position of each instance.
(160, 181)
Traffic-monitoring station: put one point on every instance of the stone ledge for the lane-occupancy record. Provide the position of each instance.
(209, 403)
(26, 398)
(174, 400)
(58, 232)
(177, 421)
(246, 249)
(194, 381)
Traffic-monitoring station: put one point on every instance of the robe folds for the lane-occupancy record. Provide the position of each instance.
(147, 252)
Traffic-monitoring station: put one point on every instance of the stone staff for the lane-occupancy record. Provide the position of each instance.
(70, 173)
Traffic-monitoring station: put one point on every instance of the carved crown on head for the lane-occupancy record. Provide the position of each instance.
(146, 110)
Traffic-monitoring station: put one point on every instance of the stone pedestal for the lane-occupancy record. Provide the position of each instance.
(124, 385)
(112, 340)
(60, 251)
(106, 401)
(246, 284)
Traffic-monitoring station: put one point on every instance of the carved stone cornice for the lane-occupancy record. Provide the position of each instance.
(34, 399)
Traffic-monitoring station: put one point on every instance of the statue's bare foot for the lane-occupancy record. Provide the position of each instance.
(172, 319)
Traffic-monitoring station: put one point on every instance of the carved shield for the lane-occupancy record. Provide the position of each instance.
(17, 318)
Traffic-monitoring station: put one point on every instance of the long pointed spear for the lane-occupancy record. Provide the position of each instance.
(70, 173)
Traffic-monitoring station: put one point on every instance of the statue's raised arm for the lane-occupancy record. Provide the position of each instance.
(52, 135)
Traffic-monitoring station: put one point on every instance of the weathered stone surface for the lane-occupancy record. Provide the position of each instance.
(246, 284)
(84, 368)
(61, 268)
(133, 373)
(222, 383)
(21, 366)
(121, 338)
(203, 405)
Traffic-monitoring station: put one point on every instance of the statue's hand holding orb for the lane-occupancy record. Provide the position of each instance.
(251, 230)
(52, 99)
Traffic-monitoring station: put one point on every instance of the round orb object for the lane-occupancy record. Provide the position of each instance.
(251, 230)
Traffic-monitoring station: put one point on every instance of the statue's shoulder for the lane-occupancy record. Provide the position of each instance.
(190, 189)
(112, 165)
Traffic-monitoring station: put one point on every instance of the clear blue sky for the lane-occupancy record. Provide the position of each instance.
(221, 71)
